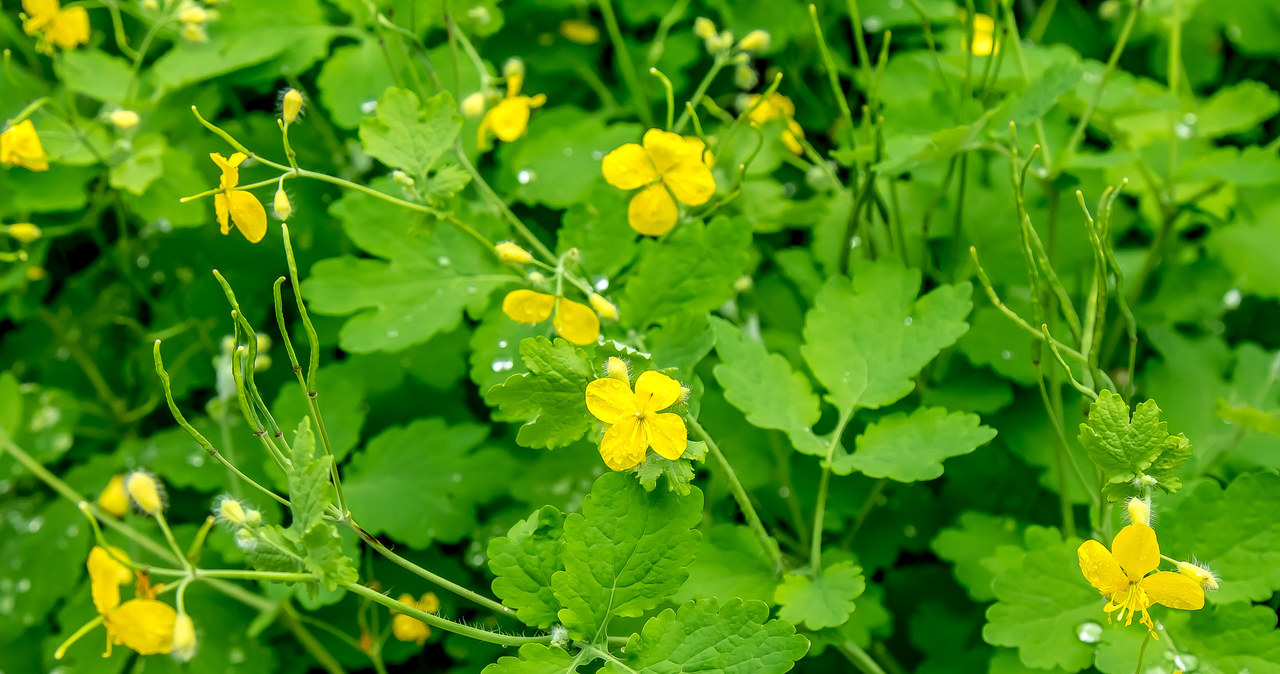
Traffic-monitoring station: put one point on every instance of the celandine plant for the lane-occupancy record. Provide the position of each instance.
(619, 338)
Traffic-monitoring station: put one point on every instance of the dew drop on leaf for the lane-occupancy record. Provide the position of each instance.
(1089, 632)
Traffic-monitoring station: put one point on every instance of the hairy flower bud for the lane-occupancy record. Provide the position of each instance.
(184, 638)
(25, 232)
(513, 67)
(230, 511)
(124, 119)
(756, 41)
(1139, 511)
(144, 491)
(510, 252)
(291, 105)
(616, 368)
(252, 517)
(473, 105)
(283, 209)
(602, 306)
(1199, 574)
(720, 42)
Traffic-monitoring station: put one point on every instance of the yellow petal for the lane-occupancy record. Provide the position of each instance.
(691, 181)
(665, 149)
(1100, 568)
(69, 28)
(106, 575)
(576, 322)
(652, 211)
(221, 209)
(667, 434)
(145, 625)
(628, 167)
(1173, 590)
(20, 146)
(656, 391)
(696, 146)
(528, 306)
(792, 144)
(408, 628)
(39, 14)
(624, 444)
(611, 400)
(230, 171)
(248, 214)
(509, 119)
(1137, 551)
(113, 500)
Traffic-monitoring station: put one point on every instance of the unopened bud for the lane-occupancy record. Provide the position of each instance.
(603, 307)
(193, 14)
(113, 500)
(144, 491)
(514, 67)
(720, 42)
(1204, 577)
(184, 638)
(246, 540)
(577, 30)
(194, 32)
(743, 284)
(124, 119)
(616, 368)
(262, 363)
(37, 273)
(283, 209)
(1139, 511)
(230, 511)
(401, 178)
(704, 28)
(291, 105)
(151, 5)
(263, 340)
(536, 278)
(755, 41)
(25, 232)
(473, 105)
(745, 77)
(510, 252)
(252, 517)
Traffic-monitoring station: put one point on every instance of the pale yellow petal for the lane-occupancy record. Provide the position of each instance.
(106, 575)
(69, 28)
(1100, 568)
(576, 322)
(1137, 551)
(528, 306)
(145, 625)
(610, 400)
(410, 629)
(691, 181)
(1173, 590)
(628, 167)
(222, 210)
(665, 149)
(652, 211)
(667, 435)
(248, 214)
(656, 391)
(624, 444)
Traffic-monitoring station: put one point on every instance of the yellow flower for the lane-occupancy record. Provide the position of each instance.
(670, 168)
(1121, 574)
(634, 421)
(408, 628)
(582, 32)
(65, 28)
(777, 106)
(20, 146)
(509, 119)
(113, 500)
(984, 35)
(142, 623)
(573, 321)
(106, 575)
(247, 213)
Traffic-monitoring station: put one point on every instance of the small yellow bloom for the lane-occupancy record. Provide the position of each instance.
(193, 14)
(756, 40)
(144, 625)
(20, 146)
(291, 105)
(582, 32)
(184, 638)
(1121, 574)
(408, 628)
(670, 168)
(777, 106)
(124, 119)
(113, 500)
(244, 209)
(508, 251)
(572, 320)
(144, 491)
(24, 232)
(604, 307)
(509, 119)
(65, 28)
(634, 421)
(984, 36)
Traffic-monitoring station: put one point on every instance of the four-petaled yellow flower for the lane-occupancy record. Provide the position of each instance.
(573, 321)
(142, 623)
(635, 423)
(409, 628)
(1121, 574)
(509, 119)
(777, 106)
(244, 209)
(65, 28)
(670, 168)
(20, 146)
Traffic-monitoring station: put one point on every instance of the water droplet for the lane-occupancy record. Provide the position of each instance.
(1189, 663)
(73, 531)
(443, 261)
(1089, 632)
(895, 4)
(597, 154)
(62, 353)
(471, 290)
(235, 656)
(143, 262)
(600, 283)
(784, 492)
(909, 531)
(525, 176)
(35, 524)
(456, 477)
(502, 365)
(23, 585)
(1182, 131)
(1232, 298)
(1189, 118)
(908, 321)
(196, 459)
(392, 334)
(873, 24)
(477, 560)
(502, 343)
(789, 189)
(164, 226)
(1006, 354)
(1092, 77)
(6, 604)
(568, 152)
(369, 107)
(855, 242)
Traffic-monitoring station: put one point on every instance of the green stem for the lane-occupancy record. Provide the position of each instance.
(833, 78)
(288, 616)
(443, 623)
(698, 94)
(1142, 653)
(671, 101)
(820, 510)
(492, 197)
(860, 658)
(1078, 133)
(629, 75)
(740, 495)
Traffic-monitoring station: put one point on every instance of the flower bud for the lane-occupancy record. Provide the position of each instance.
(510, 252)
(246, 540)
(579, 31)
(745, 77)
(743, 284)
(514, 67)
(704, 28)
(144, 491)
(1139, 511)
(473, 105)
(194, 32)
(291, 105)
(193, 14)
(262, 363)
(252, 518)
(113, 500)
(616, 368)
(1199, 574)
(184, 638)
(151, 5)
(37, 273)
(756, 41)
(231, 512)
(283, 209)
(124, 119)
(720, 42)
(603, 307)
(24, 232)
(401, 178)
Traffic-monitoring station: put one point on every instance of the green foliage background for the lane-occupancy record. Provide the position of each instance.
(822, 314)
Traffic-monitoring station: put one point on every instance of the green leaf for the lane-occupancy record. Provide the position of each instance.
(1041, 598)
(1127, 450)
(1248, 417)
(422, 482)
(1234, 531)
(681, 341)
(407, 136)
(679, 473)
(973, 539)
(1240, 107)
(1253, 166)
(597, 227)
(551, 396)
(692, 270)
(537, 659)
(765, 388)
(352, 75)
(143, 166)
(1042, 94)
(824, 601)
(557, 163)
(95, 74)
(1227, 638)
(705, 635)
(325, 558)
(274, 549)
(44, 551)
(495, 353)
(866, 338)
(730, 563)
(308, 480)
(524, 561)
(625, 554)
(911, 447)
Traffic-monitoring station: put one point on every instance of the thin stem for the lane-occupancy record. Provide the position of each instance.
(443, 623)
(833, 79)
(860, 658)
(625, 64)
(698, 93)
(820, 510)
(173, 542)
(740, 495)
(671, 100)
(1078, 133)
(492, 197)
(1142, 653)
